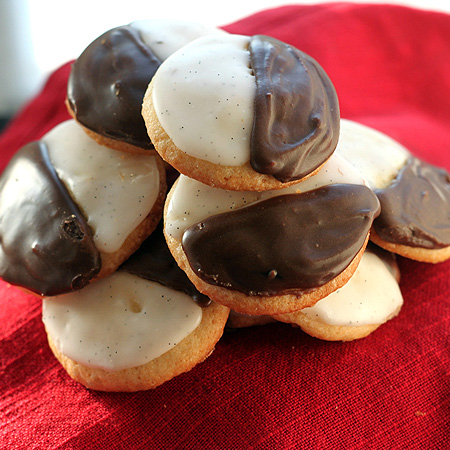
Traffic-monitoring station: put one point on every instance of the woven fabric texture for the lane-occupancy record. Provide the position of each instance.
(272, 387)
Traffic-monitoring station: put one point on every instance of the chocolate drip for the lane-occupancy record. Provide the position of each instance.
(107, 85)
(415, 208)
(46, 246)
(153, 261)
(296, 124)
(286, 244)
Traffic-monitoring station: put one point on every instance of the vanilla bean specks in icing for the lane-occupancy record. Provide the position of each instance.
(371, 297)
(203, 95)
(250, 108)
(108, 80)
(377, 156)
(117, 190)
(120, 321)
(68, 207)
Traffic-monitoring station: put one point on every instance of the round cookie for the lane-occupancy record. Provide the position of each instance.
(370, 298)
(242, 113)
(414, 196)
(131, 334)
(113, 72)
(72, 211)
(136, 329)
(272, 252)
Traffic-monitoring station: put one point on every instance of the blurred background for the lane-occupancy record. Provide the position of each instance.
(37, 36)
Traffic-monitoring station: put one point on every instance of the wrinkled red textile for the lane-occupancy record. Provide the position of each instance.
(273, 387)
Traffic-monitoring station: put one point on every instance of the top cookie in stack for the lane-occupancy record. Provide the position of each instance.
(242, 113)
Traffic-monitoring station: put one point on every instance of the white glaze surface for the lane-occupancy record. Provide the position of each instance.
(203, 96)
(165, 37)
(119, 322)
(377, 156)
(372, 296)
(115, 190)
(193, 201)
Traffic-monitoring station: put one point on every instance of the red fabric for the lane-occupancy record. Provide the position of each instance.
(273, 386)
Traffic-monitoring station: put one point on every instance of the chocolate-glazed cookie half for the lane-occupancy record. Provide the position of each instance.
(290, 243)
(46, 245)
(107, 84)
(296, 119)
(415, 213)
(271, 252)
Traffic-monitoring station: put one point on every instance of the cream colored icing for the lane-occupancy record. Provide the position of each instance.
(371, 296)
(377, 156)
(203, 96)
(115, 190)
(165, 37)
(119, 322)
(192, 201)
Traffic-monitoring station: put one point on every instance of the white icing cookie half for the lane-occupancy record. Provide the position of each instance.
(370, 298)
(115, 190)
(124, 333)
(377, 156)
(166, 36)
(121, 194)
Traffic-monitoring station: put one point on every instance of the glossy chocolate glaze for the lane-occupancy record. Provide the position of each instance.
(153, 261)
(286, 244)
(296, 124)
(46, 246)
(107, 85)
(415, 208)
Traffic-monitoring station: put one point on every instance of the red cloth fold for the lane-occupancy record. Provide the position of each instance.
(273, 386)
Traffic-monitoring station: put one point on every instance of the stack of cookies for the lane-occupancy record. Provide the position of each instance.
(265, 217)
(80, 225)
(271, 204)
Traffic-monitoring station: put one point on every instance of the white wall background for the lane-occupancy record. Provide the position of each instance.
(37, 36)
